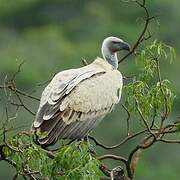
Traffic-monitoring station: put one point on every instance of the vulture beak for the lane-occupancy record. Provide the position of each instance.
(116, 46)
(124, 46)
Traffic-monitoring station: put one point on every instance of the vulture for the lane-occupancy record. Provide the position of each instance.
(76, 100)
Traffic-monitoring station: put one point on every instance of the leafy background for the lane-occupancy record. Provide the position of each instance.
(54, 35)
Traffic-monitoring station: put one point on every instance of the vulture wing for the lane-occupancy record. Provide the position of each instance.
(76, 100)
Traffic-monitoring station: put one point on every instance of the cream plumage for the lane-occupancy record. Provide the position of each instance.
(76, 100)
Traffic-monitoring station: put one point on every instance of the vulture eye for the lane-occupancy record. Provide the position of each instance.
(115, 42)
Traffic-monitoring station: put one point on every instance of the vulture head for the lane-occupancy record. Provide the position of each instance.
(110, 46)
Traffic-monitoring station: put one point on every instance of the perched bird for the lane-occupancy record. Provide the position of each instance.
(76, 100)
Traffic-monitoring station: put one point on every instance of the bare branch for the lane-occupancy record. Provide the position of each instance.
(18, 91)
(22, 104)
(85, 63)
(112, 156)
(141, 37)
(119, 144)
(176, 141)
(128, 118)
(17, 72)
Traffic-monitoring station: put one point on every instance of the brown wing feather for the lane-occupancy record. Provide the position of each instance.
(58, 129)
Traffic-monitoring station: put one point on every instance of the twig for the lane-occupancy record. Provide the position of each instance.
(17, 72)
(142, 117)
(105, 170)
(128, 118)
(141, 36)
(119, 144)
(85, 63)
(112, 156)
(23, 105)
(173, 141)
(19, 91)
(164, 116)
(117, 173)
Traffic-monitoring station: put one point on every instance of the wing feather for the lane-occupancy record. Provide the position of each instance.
(76, 100)
(61, 85)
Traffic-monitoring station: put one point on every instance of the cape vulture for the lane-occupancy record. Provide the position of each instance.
(76, 100)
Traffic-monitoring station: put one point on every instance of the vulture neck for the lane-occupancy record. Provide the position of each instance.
(110, 57)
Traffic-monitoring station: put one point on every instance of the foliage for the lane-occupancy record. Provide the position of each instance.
(69, 162)
(148, 92)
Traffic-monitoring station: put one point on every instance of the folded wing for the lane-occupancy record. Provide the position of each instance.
(76, 100)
